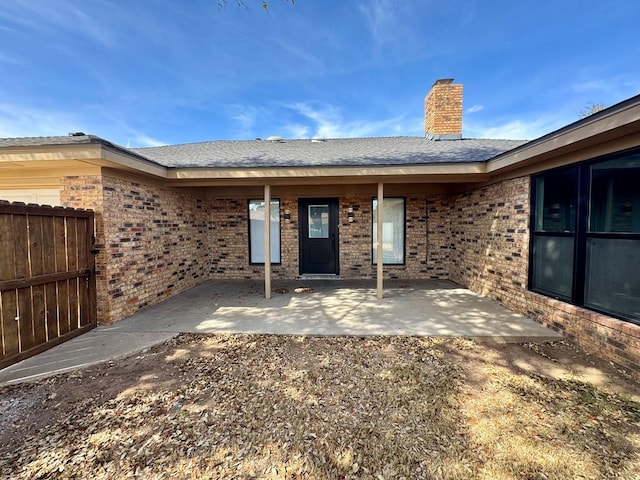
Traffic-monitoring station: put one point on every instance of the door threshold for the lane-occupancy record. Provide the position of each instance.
(318, 276)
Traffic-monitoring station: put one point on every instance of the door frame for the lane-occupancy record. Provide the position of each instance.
(334, 213)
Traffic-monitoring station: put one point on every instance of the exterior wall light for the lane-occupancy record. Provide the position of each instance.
(287, 215)
(350, 214)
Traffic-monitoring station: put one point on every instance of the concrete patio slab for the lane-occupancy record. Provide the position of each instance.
(422, 308)
(96, 346)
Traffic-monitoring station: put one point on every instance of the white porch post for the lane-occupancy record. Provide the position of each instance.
(267, 241)
(379, 218)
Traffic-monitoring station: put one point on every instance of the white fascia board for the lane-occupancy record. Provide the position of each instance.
(478, 168)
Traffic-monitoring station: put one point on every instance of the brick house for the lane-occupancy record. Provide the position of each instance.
(549, 227)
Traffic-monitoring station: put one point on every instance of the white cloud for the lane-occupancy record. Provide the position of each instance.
(326, 118)
(379, 15)
(247, 119)
(327, 121)
(25, 121)
(245, 116)
(606, 90)
(93, 29)
(297, 131)
(142, 140)
(10, 14)
(60, 16)
(515, 129)
(298, 56)
(475, 108)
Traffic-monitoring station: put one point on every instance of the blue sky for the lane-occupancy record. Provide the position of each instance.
(152, 72)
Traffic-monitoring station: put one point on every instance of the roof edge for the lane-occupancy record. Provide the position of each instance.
(502, 160)
(123, 150)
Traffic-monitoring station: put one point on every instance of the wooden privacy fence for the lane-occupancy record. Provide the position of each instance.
(47, 278)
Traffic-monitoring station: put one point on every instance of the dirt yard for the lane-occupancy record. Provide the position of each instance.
(258, 406)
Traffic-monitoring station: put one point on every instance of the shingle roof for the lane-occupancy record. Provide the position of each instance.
(46, 141)
(71, 139)
(376, 151)
(333, 152)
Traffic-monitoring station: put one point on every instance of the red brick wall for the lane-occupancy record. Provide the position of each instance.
(86, 192)
(490, 240)
(438, 243)
(426, 242)
(355, 238)
(489, 255)
(230, 241)
(289, 248)
(606, 337)
(153, 242)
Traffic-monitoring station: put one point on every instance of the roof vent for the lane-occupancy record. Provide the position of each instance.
(77, 134)
(318, 139)
(275, 139)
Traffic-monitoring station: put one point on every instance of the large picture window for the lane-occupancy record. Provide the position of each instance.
(256, 231)
(585, 235)
(392, 231)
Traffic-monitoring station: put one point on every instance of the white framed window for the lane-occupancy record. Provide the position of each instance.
(393, 231)
(256, 231)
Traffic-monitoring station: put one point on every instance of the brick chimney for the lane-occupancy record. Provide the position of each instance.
(443, 111)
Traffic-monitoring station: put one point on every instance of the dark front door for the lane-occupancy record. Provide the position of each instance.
(318, 235)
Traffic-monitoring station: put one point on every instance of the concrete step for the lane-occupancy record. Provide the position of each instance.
(318, 276)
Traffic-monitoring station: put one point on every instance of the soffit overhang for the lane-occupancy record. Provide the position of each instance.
(437, 173)
(611, 130)
(76, 156)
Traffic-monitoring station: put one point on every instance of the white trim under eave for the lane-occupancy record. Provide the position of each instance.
(131, 163)
(476, 168)
(94, 154)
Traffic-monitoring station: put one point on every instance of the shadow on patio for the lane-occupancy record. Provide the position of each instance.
(424, 307)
